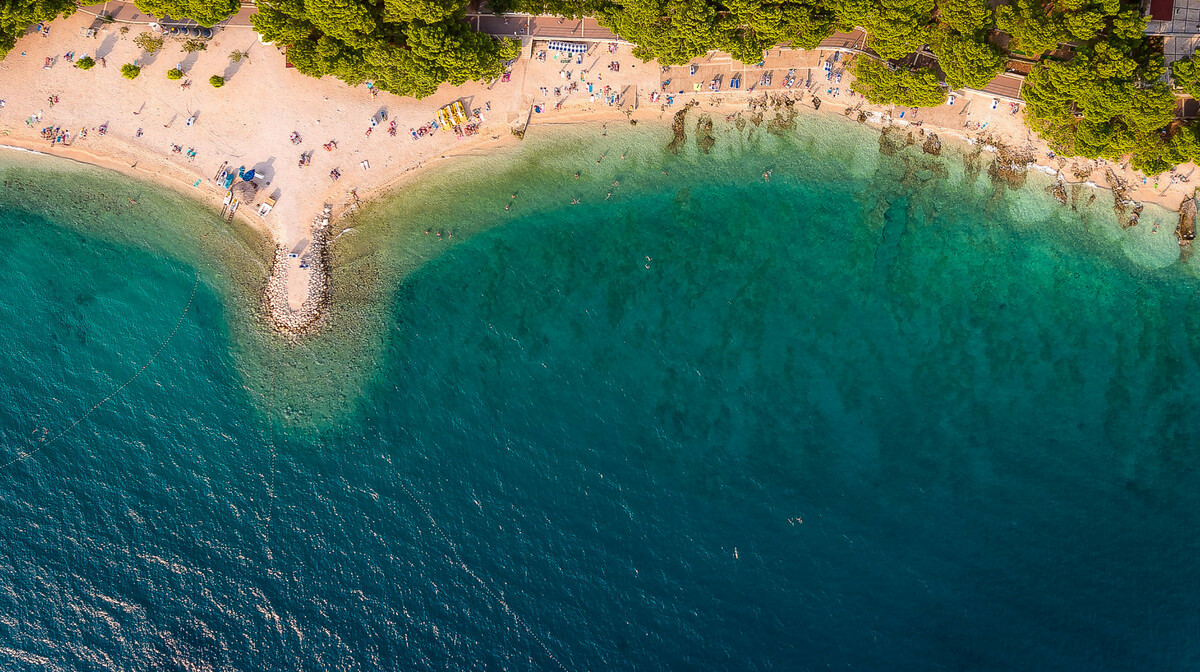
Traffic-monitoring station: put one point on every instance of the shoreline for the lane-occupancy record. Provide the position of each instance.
(364, 169)
(287, 320)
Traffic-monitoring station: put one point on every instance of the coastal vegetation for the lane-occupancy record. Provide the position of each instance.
(407, 47)
(130, 70)
(1095, 86)
(16, 16)
(174, 73)
(1186, 76)
(883, 85)
(149, 42)
(217, 81)
(85, 63)
(204, 12)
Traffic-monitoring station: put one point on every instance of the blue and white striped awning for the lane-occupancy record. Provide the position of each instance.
(569, 47)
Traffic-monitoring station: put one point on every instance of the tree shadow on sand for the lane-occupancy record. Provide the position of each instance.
(232, 69)
(107, 45)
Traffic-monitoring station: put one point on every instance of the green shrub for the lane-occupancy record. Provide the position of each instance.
(174, 73)
(217, 81)
(85, 63)
(149, 42)
(194, 45)
(130, 71)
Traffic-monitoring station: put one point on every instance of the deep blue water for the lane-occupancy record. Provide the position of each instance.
(874, 414)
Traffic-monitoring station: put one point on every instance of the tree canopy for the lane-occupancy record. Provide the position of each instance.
(408, 47)
(1100, 104)
(204, 12)
(1186, 76)
(17, 15)
(883, 85)
(966, 61)
(965, 16)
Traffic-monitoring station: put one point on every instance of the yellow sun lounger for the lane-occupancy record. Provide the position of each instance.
(452, 115)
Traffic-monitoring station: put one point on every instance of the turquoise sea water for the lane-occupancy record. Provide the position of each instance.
(874, 414)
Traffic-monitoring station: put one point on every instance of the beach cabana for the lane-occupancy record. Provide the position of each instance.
(569, 47)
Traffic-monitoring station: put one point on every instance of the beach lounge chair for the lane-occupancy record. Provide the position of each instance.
(265, 208)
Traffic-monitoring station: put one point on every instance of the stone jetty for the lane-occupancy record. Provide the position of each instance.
(306, 318)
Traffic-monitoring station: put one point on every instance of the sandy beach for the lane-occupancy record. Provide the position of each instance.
(268, 116)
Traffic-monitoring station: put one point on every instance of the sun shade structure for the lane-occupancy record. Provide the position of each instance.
(569, 47)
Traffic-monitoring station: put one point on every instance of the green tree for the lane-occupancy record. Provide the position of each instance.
(401, 45)
(149, 42)
(17, 15)
(217, 81)
(750, 27)
(130, 71)
(1186, 76)
(1101, 104)
(85, 63)
(1032, 28)
(174, 73)
(671, 31)
(896, 28)
(883, 85)
(965, 16)
(966, 62)
(204, 12)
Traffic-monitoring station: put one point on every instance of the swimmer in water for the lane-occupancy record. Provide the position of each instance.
(513, 196)
(506, 206)
(616, 183)
(577, 175)
(608, 196)
(574, 201)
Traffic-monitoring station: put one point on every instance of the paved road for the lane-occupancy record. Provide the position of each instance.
(541, 27)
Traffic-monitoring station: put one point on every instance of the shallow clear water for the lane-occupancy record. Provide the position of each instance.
(876, 413)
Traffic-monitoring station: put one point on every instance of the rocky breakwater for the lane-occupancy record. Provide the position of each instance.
(311, 265)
